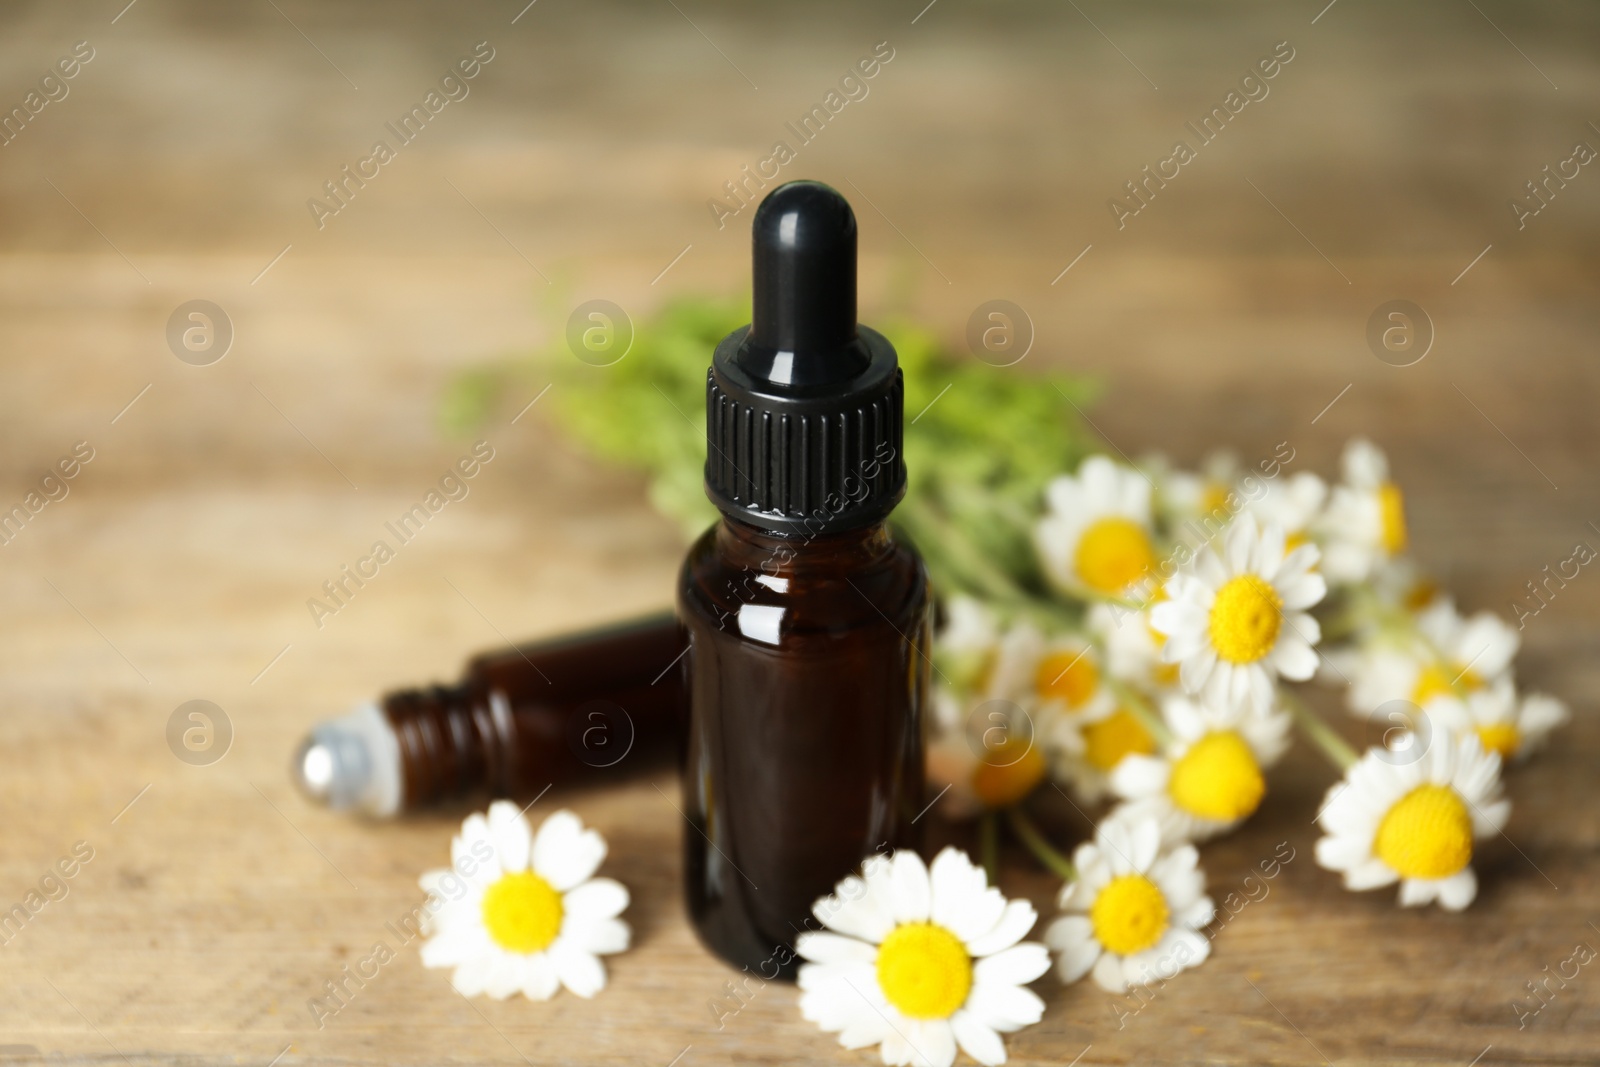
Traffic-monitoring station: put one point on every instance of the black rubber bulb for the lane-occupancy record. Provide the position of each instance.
(803, 320)
(804, 406)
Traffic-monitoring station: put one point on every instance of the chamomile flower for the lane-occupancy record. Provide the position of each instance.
(991, 761)
(921, 960)
(1451, 656)
(1412, 820)
(1238, 618)
(530, 917)
(1503, 724)
(1134, 913)
(1132, 647)
(1096, 539)
(1365, 524)
(1293, 503)
(1089, 751)
(1480, 647)
(1407, 586)
(1060, 673)
(1210, 778)
(1184, 495)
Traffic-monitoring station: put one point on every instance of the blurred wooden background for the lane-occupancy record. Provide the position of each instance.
(1231, 311)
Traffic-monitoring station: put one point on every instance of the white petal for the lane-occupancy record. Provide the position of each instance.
(503, 973)
(822, 947)
(599, 936)
(962, 901)
(909, 878)
(1015, 922)
(1064, 931)
(1487, 643)
(1197, 914)
(513, 841)
(1108, 973)
(539, 980)
(1490, 818)
(1370, 875)
(854, 909)
(933, 1041)
(471, 979)
(1076, 957)
(579, 971)
(1343, 852)
(1017, 965)
(897, 1050)
(1190, 946)
(1185, 717)
(1005, 1008)
(1457, 891)
(1213, 573)
(1415, 892)
(1303, 591)
(1294, 658)
(1198, 671)
(977, 1040)
(474, 832)
(1540, 714)
(1094, 871)
(866, 1030)
(456, 947)
(1166, 617)
(1139, 775)
(598, 898)
(1241, 541)
(564, 853)
(1179, 876)
(1269, 550)
(1145, 839)
(838, 992)
(1116, 844)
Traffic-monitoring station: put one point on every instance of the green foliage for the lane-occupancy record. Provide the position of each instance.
(984, 442)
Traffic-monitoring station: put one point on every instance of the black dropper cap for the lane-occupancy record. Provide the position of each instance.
(804, 407)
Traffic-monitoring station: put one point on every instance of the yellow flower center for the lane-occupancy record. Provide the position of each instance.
(522, 912)
(924, 970)
(1218, 778)
(1008, 773)
(1501, 737)
(1439, 680)
(1245, 619)
(1112, 553)
(1295, 540)
(1428, 834)
(1214, 498)
(1165, 674)
(1422, 592)
(1129, 915)
(1068, 676)
(1391, 507)
(1113, 737)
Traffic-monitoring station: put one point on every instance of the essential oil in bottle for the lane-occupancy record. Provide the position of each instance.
(571, 709)
(808, 621)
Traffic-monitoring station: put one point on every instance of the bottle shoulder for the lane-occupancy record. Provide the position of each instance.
(792, 590)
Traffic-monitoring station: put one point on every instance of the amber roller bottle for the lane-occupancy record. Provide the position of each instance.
(584, 707)
(808, 621)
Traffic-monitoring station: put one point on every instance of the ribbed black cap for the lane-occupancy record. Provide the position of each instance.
(804, 407)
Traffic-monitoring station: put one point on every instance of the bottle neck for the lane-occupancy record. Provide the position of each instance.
(780, 553)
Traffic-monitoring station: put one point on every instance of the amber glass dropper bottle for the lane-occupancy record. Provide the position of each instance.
(570, 709)
(808, 621)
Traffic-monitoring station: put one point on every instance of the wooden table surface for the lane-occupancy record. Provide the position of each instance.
(1230, 311)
